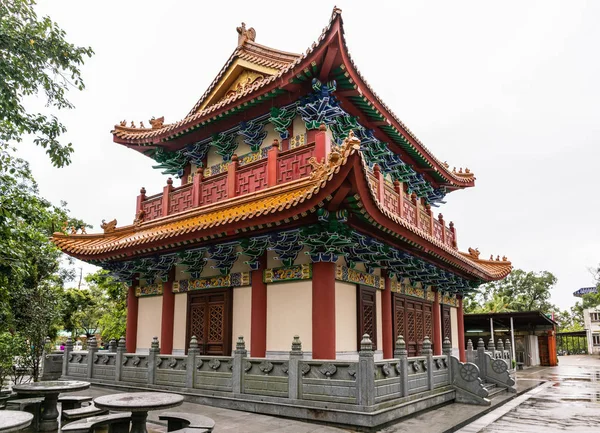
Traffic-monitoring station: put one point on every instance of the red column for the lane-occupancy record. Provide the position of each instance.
(168, 317)
(323, 310)
(258, 320)
(197, 187)
(322, 143)
(386, 317)
(232, 176)
(140, 201)
(437, 325)
(132, 320)
(461, 330)
(165, 198)
(272, 164)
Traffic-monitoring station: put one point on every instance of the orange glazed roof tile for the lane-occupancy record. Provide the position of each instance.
(268, 201)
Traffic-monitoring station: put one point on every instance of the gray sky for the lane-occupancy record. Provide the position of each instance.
(509, 89)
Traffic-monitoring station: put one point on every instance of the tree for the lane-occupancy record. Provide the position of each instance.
(519, 291)
(35, 59)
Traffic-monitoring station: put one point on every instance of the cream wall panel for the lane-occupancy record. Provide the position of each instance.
(180, 321)
(242, 315)
(345, 317)
(289, 313)
(299, 126)
(149, 317)
(379, 320)
(271, 135)
(454, 326)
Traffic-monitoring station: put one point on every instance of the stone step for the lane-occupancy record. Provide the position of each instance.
(494, 391)
(489, 386)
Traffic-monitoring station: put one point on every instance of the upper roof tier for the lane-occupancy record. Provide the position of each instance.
(255, 74)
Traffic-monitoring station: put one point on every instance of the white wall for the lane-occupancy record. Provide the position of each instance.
(289, 313)
(149, 320)
(242, 315)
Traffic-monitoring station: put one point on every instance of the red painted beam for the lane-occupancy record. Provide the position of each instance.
(461, 330)
(437, 325)
(328, 61)
(386, 318)
(168, 317)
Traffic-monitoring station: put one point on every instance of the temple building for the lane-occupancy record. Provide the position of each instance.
(297, 204)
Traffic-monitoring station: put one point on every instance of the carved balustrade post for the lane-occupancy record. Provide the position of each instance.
(453, 230)
(481, 357)
(92, 349)
(66, 354)
(402, 354)
(509, 349)
(500, 348)
(238, 365)
(492, 347)
(166, 197)
(121, 348)
(140, 201)
(441, 221)
(447, 351)
(112, 345)
(197, 187)
(154, 350)
(322, 143)
(430, 214)
(470, 351)
(232, 176)
(415, 201)
(272, 164)
(380, 182)
(400, 191)
(190, 366)
(294, 369)
(426, 351)
(366, 373)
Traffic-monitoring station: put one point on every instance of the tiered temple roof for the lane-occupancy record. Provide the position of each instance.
(367, 162)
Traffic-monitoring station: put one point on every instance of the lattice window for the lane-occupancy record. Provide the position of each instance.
(428, 325)
(295, 165)
(424, 222)
(400, 321)
(410, 324)
(449, 237)
(390, 200)
(197, 321)
(215, 327)
(252, 178)
(419, 325)
(437, 230)
(369, 319)
(367, 315)
(447, 331)
(409, 212)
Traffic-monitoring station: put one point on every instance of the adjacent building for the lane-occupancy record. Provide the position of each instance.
(302, 205)
(591, 320)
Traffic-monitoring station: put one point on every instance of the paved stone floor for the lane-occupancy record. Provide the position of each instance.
(569, 401)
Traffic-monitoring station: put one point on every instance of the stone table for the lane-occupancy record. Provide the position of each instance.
(14, 420)
(139, 404)
(50, 390)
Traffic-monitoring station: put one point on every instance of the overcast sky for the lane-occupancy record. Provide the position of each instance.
(509, 89)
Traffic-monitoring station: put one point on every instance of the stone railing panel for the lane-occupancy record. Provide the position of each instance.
(214, 373)
(441, 372)
(170, 370)
(467, 383)
(497, 371)
(77, 366)
(134, 368)
(388, 380)
(332, 381)
(52, 366)
(417, 375)
(265, 377)
(104, 365)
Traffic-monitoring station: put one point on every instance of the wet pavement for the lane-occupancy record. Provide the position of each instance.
(569, 401)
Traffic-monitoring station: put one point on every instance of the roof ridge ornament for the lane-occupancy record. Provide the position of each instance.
(245, 35)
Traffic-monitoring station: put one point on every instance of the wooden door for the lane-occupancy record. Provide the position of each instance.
(399, 317)
(413, 319)
(543, 349)
(209, 319)
(367, 314)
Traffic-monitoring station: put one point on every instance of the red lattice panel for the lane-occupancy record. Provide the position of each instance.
(197, 321)
(251, 178)
(447, 331)
(437, 231)
(424, 222)
(390, 200)
(216, 322)
(449, 238)
(152, 208)
(214, 189)
(180, 199)
(419, 331)
(399, 321)
(410, 324)
(428, 325)
(294, 165)
(409, 212)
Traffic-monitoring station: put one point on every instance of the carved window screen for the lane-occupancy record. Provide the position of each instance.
(367, 314)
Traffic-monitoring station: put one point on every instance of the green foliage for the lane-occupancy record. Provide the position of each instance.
(12, 348)
(520, 291)
(36, 60)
